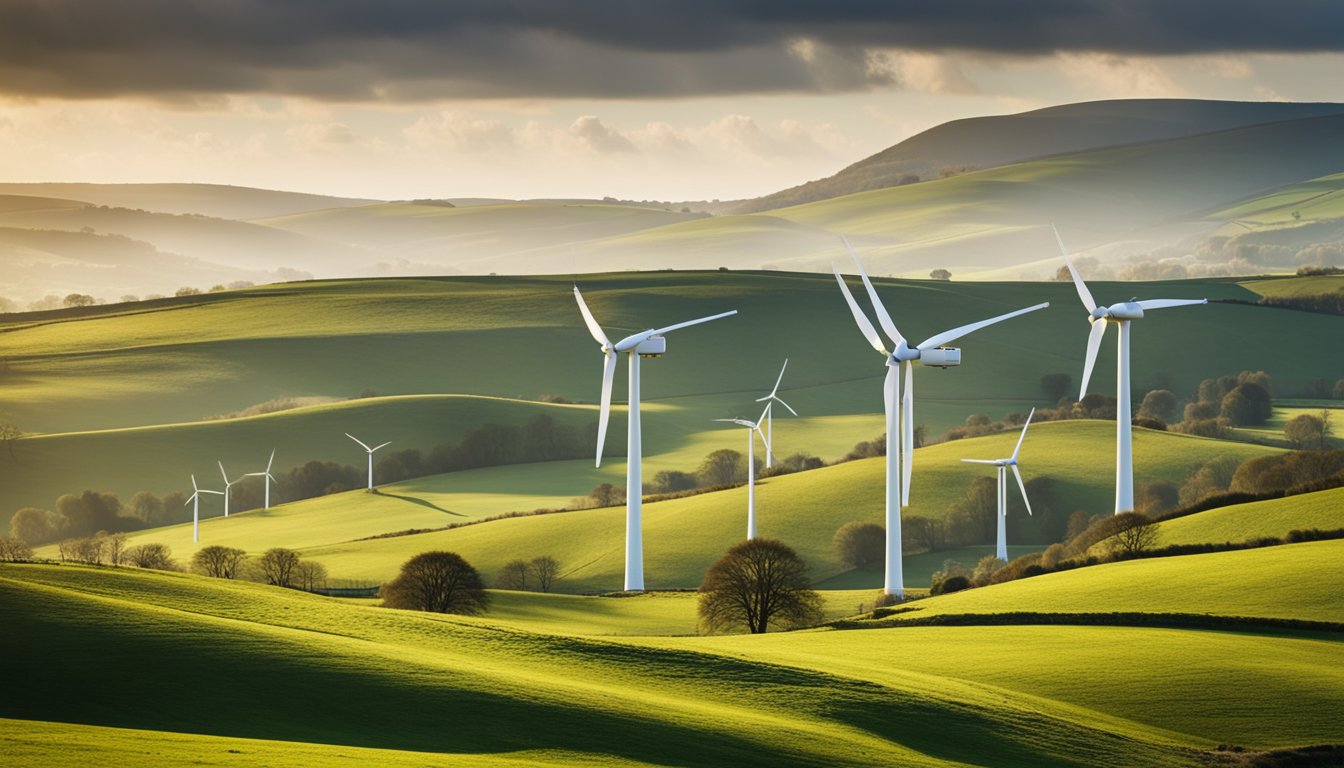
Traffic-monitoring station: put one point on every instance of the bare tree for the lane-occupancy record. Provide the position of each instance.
(758, 583)
(513, 575)
(218, 561)
(545, 571)
(13, 550)
(441, 582)
(151, 555)
(114, 547)
(278, 565)
(1135, 533)
(310, 575)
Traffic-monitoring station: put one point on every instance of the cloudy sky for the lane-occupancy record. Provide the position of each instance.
(643, 99)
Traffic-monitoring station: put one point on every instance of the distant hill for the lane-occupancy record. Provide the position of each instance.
(218, 200)
(987, 142)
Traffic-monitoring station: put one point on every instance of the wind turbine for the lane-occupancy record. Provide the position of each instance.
(900, 450)
(650, 343)
(227, 485)
(1001, 539)
(753, 429)
(370, 450)
(195, 502)
(268, 476)
(1100, 317)
(769, 417)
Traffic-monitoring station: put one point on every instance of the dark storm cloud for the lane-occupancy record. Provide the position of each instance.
(419, 49)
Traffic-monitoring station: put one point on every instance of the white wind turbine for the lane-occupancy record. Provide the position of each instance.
(650, 343)
(227, 485)
(195, 502)
(1001, 539)
(370, 450)
(269, 478)
(900, 450)
(769, 417)
(1100, 317)
(753, 429)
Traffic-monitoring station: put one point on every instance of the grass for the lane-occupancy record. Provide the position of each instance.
(682, 537)
(390, 680)
(1271, 432)
(1243, 522)
(1292, 581)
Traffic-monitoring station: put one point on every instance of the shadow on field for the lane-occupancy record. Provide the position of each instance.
(422, 502)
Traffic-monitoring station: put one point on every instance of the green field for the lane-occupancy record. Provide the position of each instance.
(683, 536)
(1291, 581)
(931, 696)
(1242, 522)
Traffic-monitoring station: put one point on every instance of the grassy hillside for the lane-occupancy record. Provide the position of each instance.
(1108, 696)
(1242, 522)
(684, 536)
(986, 142)
(1292, 581)
(217, 200)
(1318, 198)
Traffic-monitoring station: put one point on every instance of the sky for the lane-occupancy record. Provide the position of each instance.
(634, 99)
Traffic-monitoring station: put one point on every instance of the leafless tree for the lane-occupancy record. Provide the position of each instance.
(1135, 533)
(14, 550)
(759, 583)
(218, 561)
(151, 555)
(513, 575)
(310, 575)
(545, 572)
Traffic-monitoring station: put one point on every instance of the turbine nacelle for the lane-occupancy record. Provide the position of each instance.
(1125, 310)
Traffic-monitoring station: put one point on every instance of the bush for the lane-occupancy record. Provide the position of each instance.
(672, 481)
(723, 467)
(1308, 431)
(985, 570)
(860, 544)
(154, 556)
(1158, 405)
(951, 584)
(1157, 498)
(218, 561)
(14, 550)
(1247, 404)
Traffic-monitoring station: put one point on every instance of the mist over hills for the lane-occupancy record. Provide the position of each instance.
(1146, 188)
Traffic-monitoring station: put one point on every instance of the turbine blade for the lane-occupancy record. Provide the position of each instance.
(1078, 283)
(786, 405)
(223, 474)
(384, 445)
(907, 432)
(780, 379)
(604, 415)
(979, 461)
(1148, 304)
(889, 389)
(194, 486)
(270, 461)
(593, 327)
(1023, 436)
(1093, 344)
(1022, 487)
(956, 333)
(189, 499)
(865, 327)
(217, 493)
(357, 440)
(688, 323)
(883, 318)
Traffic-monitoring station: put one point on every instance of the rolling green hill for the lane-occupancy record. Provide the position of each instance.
(911, 697)
(1243, 522)
(216, 200)
(684, 536)
(986, 142)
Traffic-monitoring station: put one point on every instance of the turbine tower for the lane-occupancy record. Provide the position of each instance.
(227, 485)
(1100, 317)
(1001, 539)
(650, 343)
(195, 502)
(753, 429)
(268, 476)
(370, 450)
(769, 417)
(901, 423)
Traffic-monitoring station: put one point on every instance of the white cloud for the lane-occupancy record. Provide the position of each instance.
(592, 134)
(1119, 77)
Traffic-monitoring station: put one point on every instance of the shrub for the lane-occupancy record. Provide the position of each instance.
(154, 556)
(1247, 404)
(952, 584)
(985, 570)
(14, 550)
(1307, 431)
(1158, 405)
(859, 544)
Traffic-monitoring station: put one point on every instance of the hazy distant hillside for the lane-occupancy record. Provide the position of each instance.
(986, 142)
(218, 200)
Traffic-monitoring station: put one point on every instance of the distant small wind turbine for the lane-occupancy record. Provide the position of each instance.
(1101, 317)
(370, 450)
(770, 401)
(900, 413)
(227, 485)
(268, 476)
(753, 429)
(195, 502)
(1001, 539)
(650, 343)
